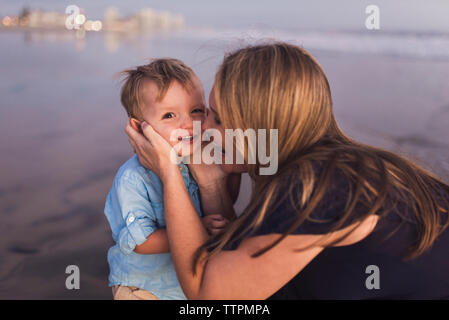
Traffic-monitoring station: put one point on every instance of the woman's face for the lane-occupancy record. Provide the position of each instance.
(213, 122)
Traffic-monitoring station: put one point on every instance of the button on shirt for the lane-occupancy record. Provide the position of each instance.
(134, 209)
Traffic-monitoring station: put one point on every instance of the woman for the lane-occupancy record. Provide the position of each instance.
(339, 219)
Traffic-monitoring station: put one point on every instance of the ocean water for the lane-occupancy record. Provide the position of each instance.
(62, 127)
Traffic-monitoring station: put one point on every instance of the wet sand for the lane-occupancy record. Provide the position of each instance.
(62, 140)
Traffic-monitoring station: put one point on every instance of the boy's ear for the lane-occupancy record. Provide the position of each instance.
(136, 125)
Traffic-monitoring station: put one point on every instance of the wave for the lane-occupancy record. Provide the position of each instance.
(403, 44)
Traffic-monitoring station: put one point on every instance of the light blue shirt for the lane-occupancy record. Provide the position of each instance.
(134, 209)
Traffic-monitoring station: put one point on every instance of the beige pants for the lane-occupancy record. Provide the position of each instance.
(131, 293)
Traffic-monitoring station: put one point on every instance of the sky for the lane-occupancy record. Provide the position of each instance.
(395, 15)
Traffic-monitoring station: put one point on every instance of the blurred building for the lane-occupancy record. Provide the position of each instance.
(146, 20)
(36, 19)
(41, 19)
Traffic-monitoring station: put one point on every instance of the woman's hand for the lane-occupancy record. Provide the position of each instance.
(153, 151)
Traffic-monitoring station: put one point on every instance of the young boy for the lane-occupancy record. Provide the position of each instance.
(168, 95)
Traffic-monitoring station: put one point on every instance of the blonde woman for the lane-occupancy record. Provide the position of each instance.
(338, 220)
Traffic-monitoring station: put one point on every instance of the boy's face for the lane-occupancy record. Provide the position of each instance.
(177, 110)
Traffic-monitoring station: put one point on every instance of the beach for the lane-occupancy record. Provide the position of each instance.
(62, 138)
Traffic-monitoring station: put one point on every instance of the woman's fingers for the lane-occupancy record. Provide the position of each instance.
(132, 143)
(150, 133)
(135, 136)
(155, 139)
(139, 144)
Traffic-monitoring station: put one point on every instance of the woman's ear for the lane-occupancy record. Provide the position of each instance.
(136, 125)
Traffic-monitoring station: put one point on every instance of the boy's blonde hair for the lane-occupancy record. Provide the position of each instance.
(162, 72)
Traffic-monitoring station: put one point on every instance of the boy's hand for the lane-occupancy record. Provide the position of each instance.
(214, 223)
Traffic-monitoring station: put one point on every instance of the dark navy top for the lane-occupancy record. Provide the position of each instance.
(343, 272)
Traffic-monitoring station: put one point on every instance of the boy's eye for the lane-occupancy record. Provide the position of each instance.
(168, 115)
(198, 110)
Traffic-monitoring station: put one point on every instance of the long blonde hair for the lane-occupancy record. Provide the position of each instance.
(282, 86)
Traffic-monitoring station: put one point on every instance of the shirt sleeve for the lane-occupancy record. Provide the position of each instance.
(129, 198)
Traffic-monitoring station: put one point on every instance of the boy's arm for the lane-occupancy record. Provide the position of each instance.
(141, 232)
(157, 242)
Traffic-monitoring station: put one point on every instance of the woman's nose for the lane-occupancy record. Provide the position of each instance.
(208, 121)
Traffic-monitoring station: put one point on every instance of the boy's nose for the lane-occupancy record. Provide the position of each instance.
(208, 122)
(187, 123)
